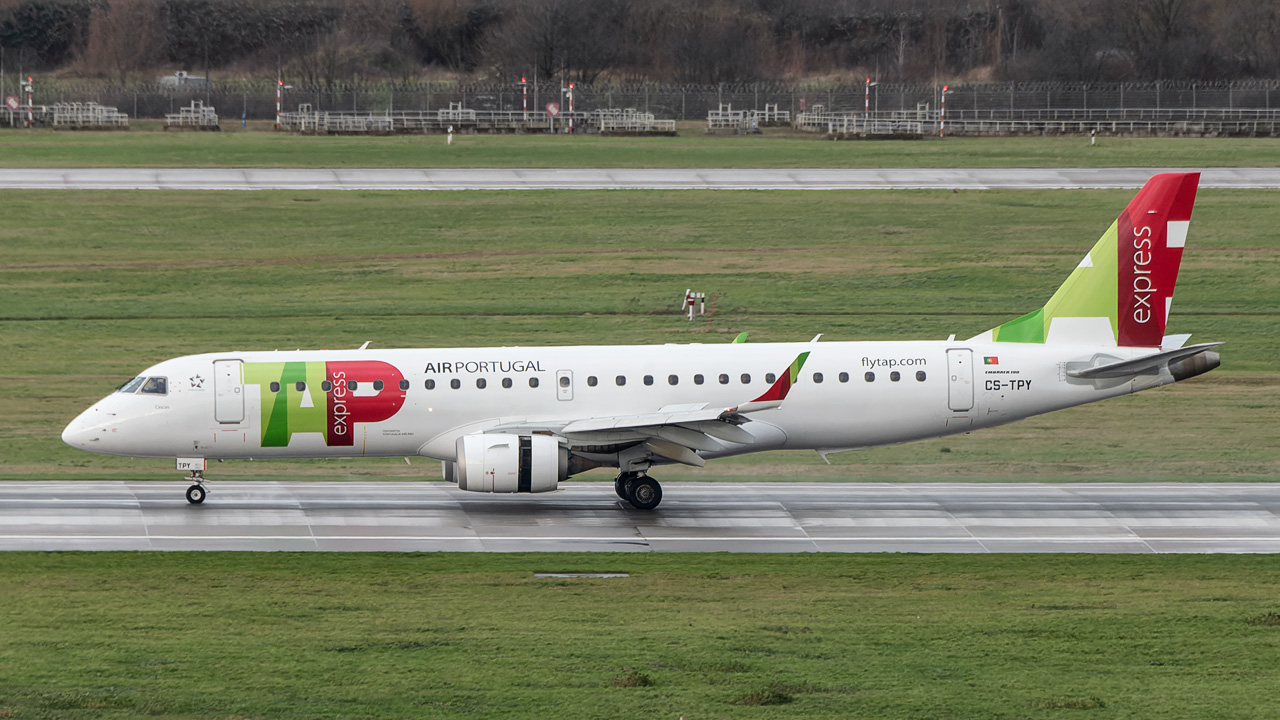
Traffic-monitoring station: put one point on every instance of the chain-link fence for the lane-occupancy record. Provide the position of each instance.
(256, 100)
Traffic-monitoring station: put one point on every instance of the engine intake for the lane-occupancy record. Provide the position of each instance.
(500, 463)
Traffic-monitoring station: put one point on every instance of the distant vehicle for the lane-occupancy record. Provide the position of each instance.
(513, 419)
(182, 80)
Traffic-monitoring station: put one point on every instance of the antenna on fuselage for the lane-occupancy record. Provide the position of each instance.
(365, 346)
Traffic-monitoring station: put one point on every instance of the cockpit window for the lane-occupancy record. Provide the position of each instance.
(156, 386)
(132, 385)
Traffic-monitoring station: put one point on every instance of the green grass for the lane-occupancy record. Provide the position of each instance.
(180, 635)
(98, 285)
(146, 146)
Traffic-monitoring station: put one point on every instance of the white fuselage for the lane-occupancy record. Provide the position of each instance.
(299, 404)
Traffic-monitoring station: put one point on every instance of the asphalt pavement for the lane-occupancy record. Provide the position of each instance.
(614, 179)
(693, 517)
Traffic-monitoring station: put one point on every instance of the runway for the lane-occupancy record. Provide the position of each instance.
(693, 517)
(614, 179)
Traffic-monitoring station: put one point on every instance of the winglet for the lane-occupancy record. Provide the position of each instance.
(778, 391)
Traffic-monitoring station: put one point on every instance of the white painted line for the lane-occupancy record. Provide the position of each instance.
(634, 538)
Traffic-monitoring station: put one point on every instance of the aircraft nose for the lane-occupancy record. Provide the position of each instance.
(76, 434)
(85, 432)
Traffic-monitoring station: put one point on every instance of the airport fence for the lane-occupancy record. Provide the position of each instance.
(256, 99)
(1029, 102)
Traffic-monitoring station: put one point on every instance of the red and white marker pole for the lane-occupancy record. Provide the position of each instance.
(279, 97)
(570, 108)
(524, 84)
(866, 99)
(942, 119)
(31, 116)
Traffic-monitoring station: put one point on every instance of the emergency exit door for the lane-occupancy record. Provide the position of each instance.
(228, 391)
(564, 384)
(960, 379)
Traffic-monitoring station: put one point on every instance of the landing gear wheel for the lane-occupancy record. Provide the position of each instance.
(644, 493)
(622, 484)
(195, 494)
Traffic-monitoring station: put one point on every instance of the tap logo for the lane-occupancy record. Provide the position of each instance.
(324, 397)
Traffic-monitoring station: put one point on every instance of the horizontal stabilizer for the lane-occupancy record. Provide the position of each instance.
(1125, 368)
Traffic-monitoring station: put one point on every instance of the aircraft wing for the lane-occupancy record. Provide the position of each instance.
(674, 432)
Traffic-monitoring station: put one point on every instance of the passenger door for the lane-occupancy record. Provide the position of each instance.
(228, 391)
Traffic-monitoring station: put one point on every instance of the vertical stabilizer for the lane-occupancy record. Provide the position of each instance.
(1121, 292)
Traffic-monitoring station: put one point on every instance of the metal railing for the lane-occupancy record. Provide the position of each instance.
(76, 116)
(196, 116)
(1201, 122)
(309, 121)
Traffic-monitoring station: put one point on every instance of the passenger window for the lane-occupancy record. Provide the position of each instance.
(817, 377)
(156, 386)
(404, 384)
(533, 382)
(724, 379)
(620, 380)
(455, 383)
(770, 377)
(300, 387)
(697, 379)
(844, 377)
(326, 386)
(377, 386)
(564, 381)
(352, 385)
(506, 382)
(275, 386)
(591, 381)
(869, 377)
(673, 379)
(895, 376)
(746, 379)
(481, 383)
(430, 384)
(648, 379)
(919, 376)
(132, 385)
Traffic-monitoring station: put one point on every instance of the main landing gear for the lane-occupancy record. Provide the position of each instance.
(637, 488)
(196, 493)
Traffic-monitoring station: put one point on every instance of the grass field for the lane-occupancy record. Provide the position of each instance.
(147, 146)
(98, 285)
(179, 635)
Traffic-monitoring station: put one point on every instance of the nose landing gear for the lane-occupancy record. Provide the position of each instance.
(196, 493)
(637, 488)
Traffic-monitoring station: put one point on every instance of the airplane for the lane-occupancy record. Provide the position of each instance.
(524, 419)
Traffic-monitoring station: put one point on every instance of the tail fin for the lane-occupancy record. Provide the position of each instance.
(1121, 292)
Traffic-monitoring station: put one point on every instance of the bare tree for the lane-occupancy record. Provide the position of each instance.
(124, 38)
(575, 40)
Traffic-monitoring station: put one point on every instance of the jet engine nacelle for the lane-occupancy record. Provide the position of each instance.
(500, 463)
